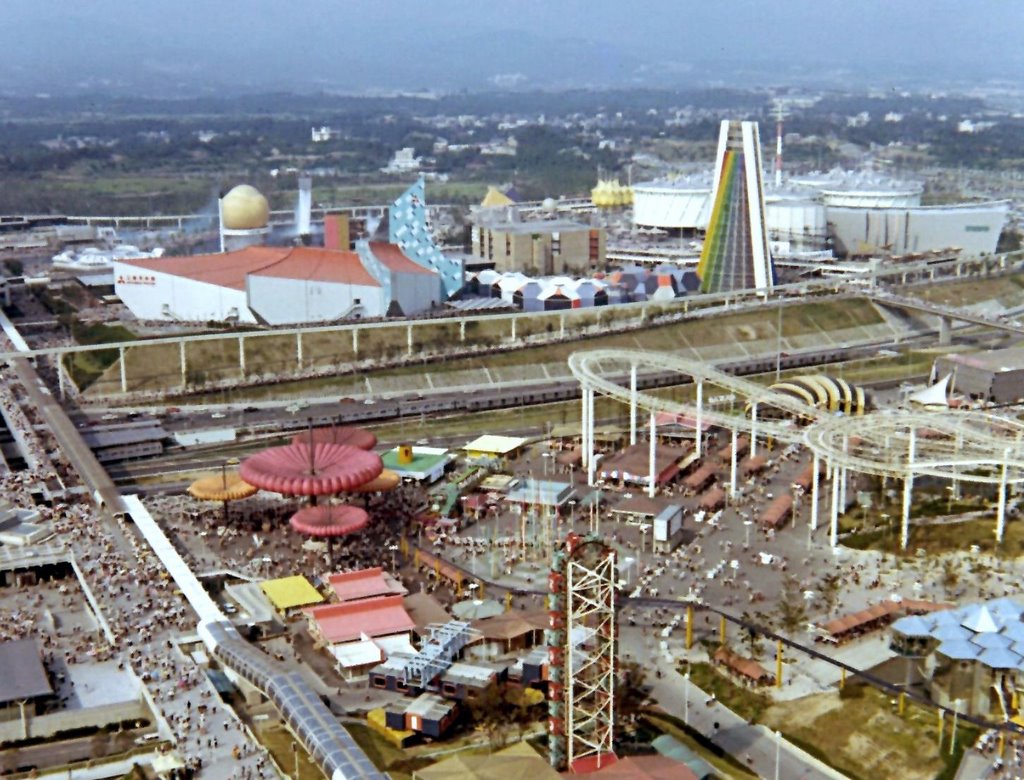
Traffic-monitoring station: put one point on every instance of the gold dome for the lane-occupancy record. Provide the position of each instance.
(245, 208)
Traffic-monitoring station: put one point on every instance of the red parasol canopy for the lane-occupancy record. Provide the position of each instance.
(341, 434)
(328, 521)
(301, 470)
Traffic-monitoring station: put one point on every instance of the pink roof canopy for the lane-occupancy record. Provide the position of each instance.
(301, 470)
(327, 521)
(341, 434)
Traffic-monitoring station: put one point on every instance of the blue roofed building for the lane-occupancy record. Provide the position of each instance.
(970, 659)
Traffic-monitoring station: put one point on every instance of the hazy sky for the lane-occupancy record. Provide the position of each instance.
(357, 45)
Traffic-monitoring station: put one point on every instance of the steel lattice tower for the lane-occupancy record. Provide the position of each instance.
(581, 641)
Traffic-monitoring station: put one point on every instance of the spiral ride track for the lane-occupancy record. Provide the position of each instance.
(962, 446)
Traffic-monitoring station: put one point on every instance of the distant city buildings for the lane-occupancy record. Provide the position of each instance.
(499, 147)
(970, 127)
(321, 134)
(404, 161)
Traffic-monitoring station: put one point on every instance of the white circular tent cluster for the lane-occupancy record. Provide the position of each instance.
(965, 446)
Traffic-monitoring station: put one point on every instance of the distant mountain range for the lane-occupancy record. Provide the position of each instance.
(138, 61)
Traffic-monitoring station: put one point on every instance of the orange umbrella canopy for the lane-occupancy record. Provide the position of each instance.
(388, 480)
(329, 521)
(227, 486)
(338, 434)
(302, 470)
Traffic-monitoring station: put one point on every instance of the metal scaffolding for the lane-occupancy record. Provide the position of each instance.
(581, 642)
(438, 652)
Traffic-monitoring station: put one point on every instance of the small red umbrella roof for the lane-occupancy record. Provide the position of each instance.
(301, 470)
(340, 434)
(323, 521)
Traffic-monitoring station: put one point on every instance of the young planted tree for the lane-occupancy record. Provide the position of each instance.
(790, 608)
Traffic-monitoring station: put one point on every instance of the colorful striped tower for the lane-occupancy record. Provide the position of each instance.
(736, 254)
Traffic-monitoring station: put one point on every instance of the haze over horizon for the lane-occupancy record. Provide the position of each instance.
(191, 47)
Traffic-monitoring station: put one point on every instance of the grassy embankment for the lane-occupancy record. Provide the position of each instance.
(728, 336)
(858, 731)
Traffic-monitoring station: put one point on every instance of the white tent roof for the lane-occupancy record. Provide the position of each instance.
(566, 292)
(511, 282)
(932, 396)
(488, 276)
(980, 620)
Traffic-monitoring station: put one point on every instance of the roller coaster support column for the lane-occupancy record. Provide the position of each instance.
(632, 405)
(651, 458)
(58, 364)
(956, 482)
(944, 331)
(833, 529)
(591, 463)
(843, 476)
(1001, 508)
(584, 431)
(584, 428)
(124, 370)
(700, 415)
(778, 663)
(908, 493)
(732, 466)
(753, 429)
(815, 478)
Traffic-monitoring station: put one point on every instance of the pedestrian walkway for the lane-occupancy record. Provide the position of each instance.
(757, 746)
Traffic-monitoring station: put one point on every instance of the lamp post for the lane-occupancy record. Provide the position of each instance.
(956, 713)
(778, 346)
(778, 752)
(394, 549)
(686, 698)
